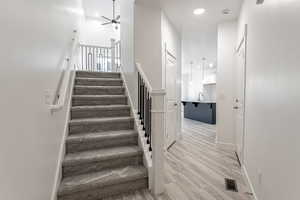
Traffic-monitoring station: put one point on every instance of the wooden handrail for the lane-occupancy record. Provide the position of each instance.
(144, 77)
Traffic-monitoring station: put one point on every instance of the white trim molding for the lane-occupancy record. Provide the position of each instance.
(58, 173)
(249, 182)
(156, 174)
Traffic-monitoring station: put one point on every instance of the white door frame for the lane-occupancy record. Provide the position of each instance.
(242, 42)
(166, 53)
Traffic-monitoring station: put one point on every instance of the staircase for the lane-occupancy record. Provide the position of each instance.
(102, 154)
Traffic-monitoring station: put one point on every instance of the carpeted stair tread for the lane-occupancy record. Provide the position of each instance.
(100, 179)
(101, 155)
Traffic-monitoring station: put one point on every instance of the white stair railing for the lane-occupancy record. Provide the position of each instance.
(151, 112)
(100, 59)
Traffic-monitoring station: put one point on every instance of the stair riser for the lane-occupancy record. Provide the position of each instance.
(98, 91)
(100, 144)
(98, 193)
(98, 82)
(92, 127)
(99, 101)
(97, 75)
(99, 113)
(90, 167)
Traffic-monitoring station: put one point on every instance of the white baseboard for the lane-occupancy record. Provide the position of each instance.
(58, 173)
(227, 146)
(246, 176)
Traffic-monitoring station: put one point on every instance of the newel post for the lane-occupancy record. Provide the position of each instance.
(158, 132)
(113, 54)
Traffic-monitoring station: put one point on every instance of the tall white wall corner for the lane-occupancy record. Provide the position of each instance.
(158, 132)
(225, 90)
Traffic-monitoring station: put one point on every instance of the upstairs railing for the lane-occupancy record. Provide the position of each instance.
(100, 59)
(151, 113)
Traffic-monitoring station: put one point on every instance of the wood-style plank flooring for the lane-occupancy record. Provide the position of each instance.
(195, 168)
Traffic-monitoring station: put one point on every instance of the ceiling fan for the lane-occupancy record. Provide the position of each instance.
(115, 20)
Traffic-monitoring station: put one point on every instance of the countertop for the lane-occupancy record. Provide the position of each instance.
(190, 101)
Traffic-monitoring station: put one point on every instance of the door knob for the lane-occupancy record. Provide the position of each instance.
(175, 104)
(235, 107)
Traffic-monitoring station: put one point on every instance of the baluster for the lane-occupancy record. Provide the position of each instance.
(93, 58)
(102, 63)
(139, 86)
(99, 59)
(145, 107)
(109, 57)
(105, 61)
(147, 114)
(88, 61)
(145, 128)
(85, 51)
(142, 103)
(81, 49)
(97, 67)
(150, 121)
(87, 58)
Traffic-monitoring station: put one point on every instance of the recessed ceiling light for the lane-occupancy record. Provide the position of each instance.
(199, 11)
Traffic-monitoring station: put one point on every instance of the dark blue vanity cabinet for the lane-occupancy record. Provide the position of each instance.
(200, 111)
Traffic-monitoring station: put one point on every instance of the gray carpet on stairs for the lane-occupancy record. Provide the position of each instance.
(102, 154)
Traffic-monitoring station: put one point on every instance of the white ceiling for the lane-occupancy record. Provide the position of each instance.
(92, 8)
(181, 14)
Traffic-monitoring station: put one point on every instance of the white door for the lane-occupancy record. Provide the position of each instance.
(239, 101)
(171, 100)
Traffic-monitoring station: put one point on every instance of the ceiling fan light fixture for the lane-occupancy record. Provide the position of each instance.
(199, 11)
(115, 20)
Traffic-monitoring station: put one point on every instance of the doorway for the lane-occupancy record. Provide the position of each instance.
(239, 101)
(171, 99)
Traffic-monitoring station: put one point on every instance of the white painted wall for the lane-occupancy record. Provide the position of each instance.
(147, 40)
(197, 44)
(34, 37)
(127, 48)
(171, 39)
(227, 39)
(93, 33)
(273, 97)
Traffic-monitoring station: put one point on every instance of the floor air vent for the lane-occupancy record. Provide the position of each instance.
(231, 185)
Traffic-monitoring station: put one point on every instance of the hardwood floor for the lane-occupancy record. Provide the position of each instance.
(195, 168)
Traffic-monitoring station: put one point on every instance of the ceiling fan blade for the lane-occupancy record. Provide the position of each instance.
(106, 18)
(106, 23)
(118, 17)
